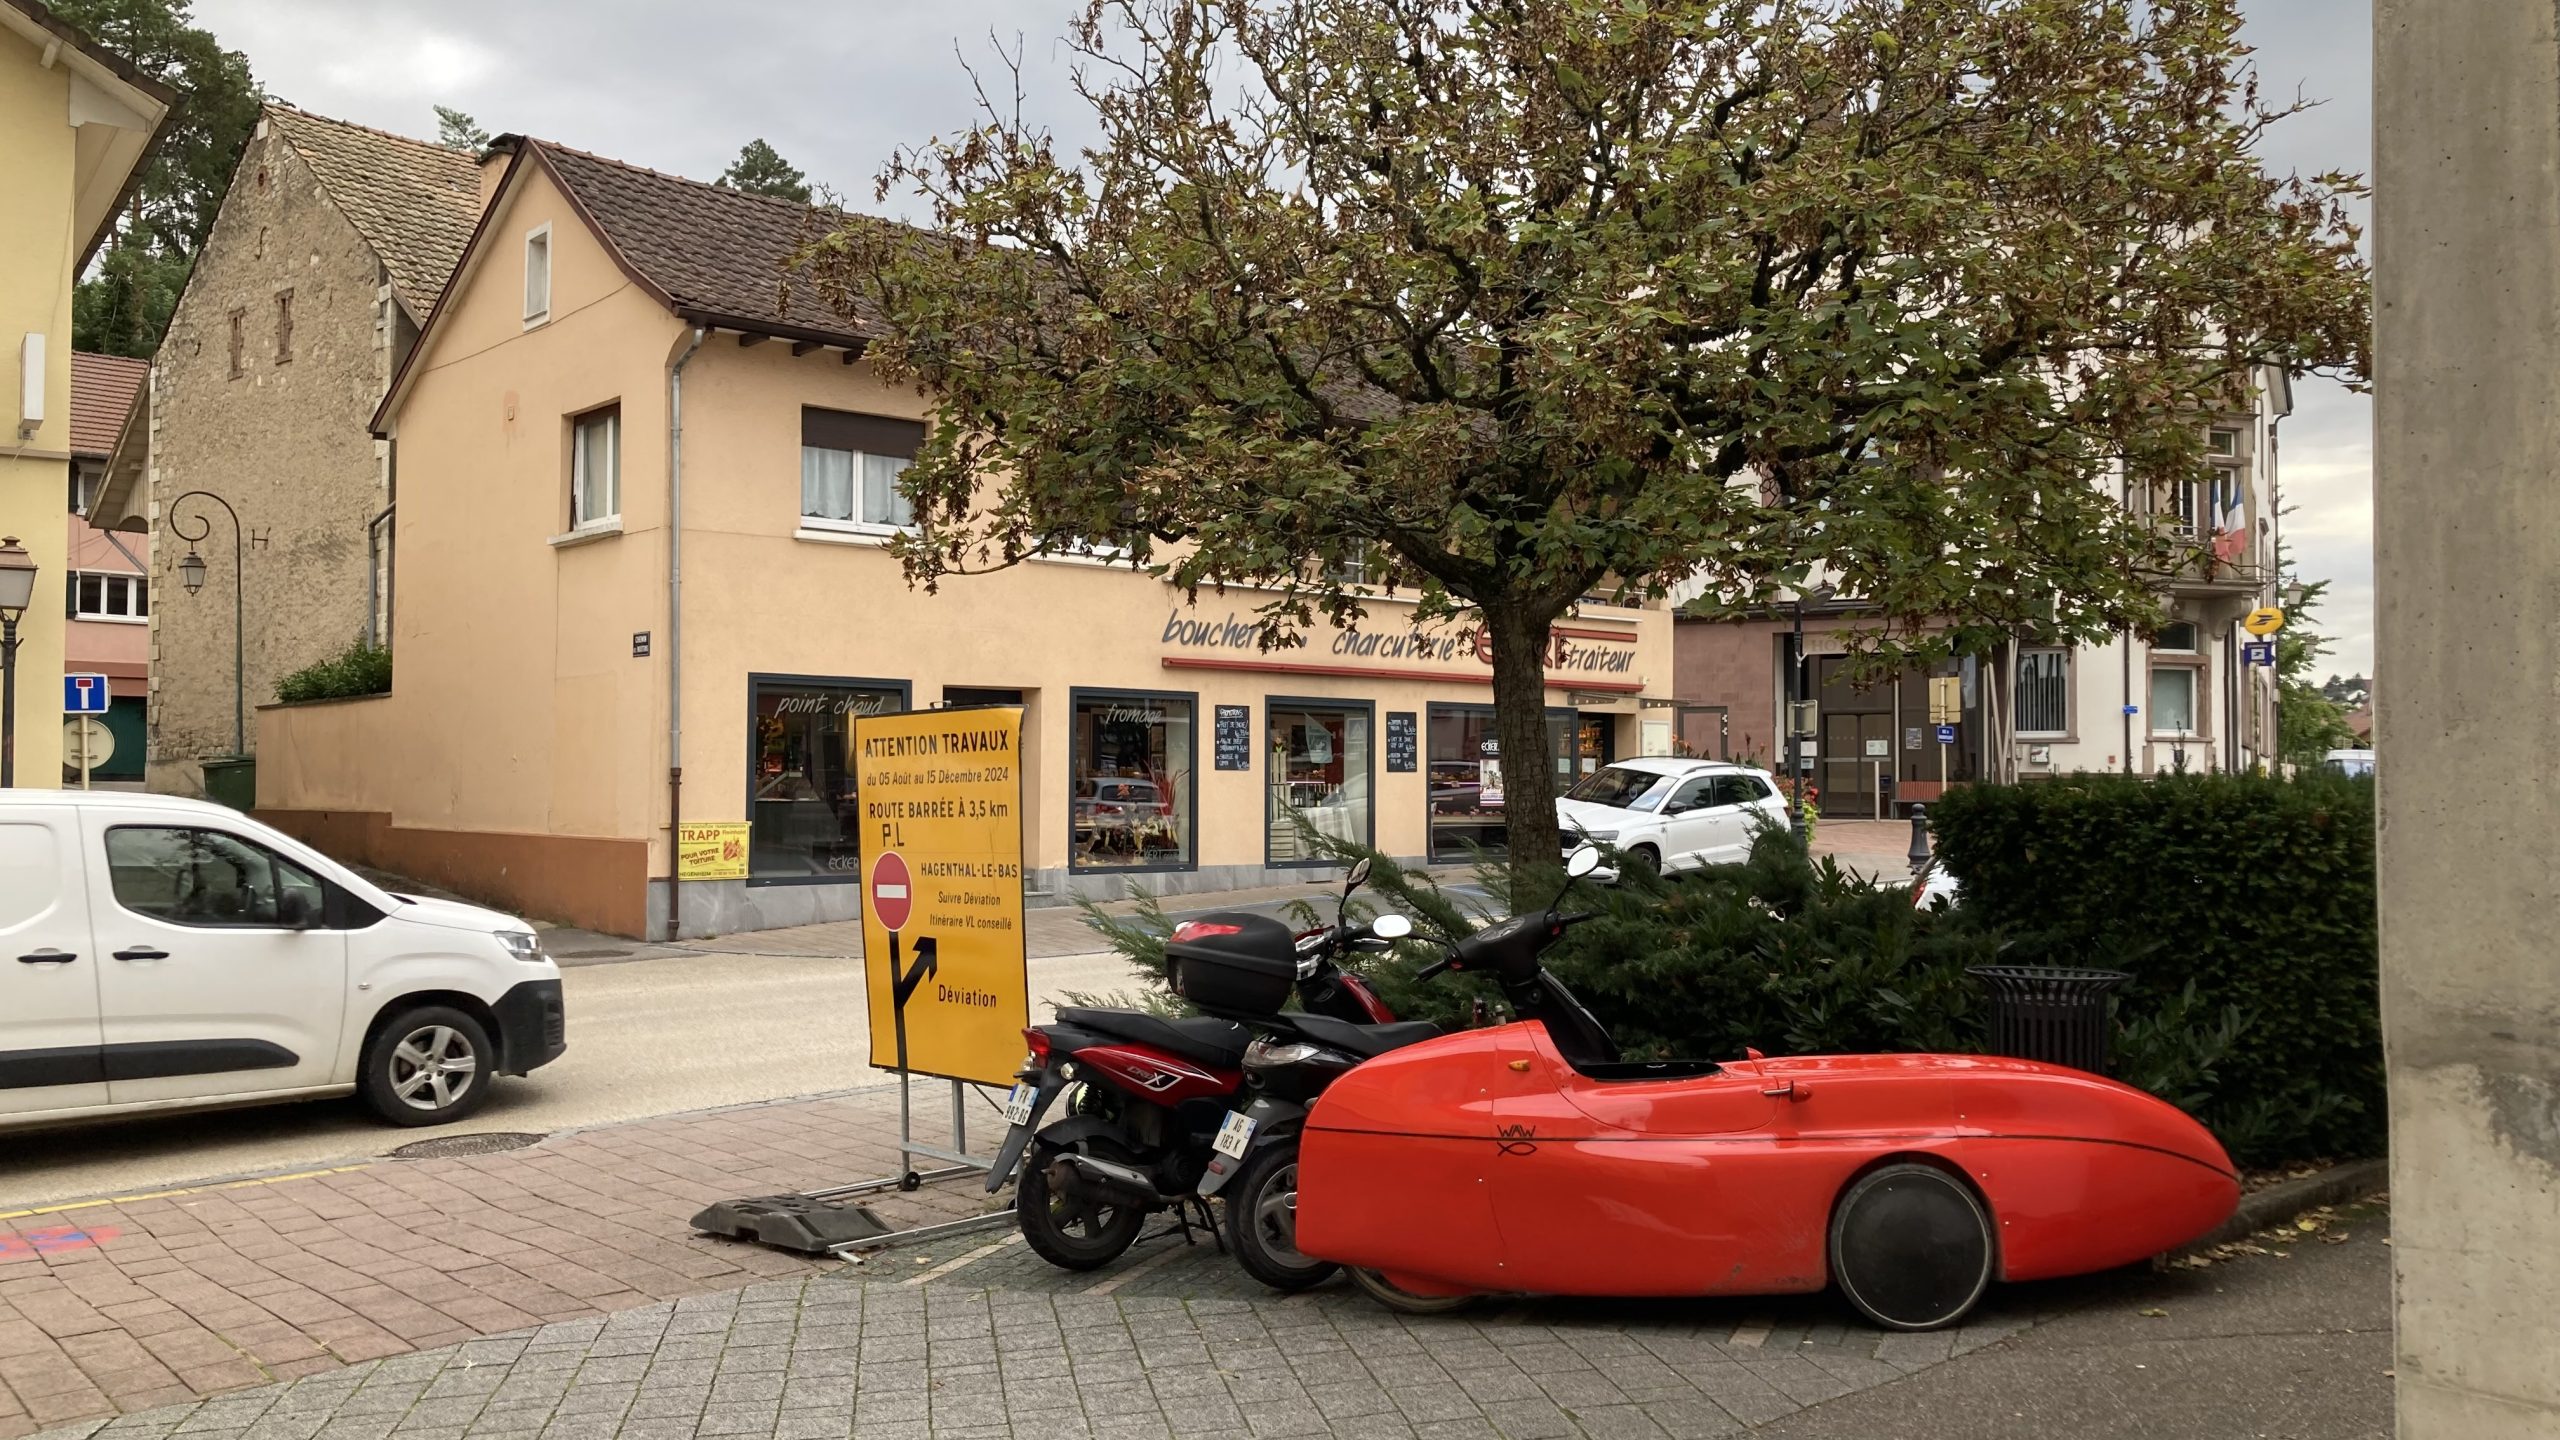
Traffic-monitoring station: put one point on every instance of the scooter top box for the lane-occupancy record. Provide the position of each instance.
(1232, 962)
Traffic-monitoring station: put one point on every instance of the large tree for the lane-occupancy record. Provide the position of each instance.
(1516, 301)
(124, 303)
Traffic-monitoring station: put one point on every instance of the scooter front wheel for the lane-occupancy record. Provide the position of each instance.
(1073, 1232)
(1397, 1298)
(1262, 1223)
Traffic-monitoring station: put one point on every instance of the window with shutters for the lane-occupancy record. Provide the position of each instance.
(849, 470)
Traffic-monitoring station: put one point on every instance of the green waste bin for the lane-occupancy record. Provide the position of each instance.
(232, 780)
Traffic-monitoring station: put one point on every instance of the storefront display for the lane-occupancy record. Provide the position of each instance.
(1466, 763)
(1131, 800)
(800, 785)
(1319, 777)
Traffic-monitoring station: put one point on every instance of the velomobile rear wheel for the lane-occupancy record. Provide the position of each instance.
(1912, 1247)
(1395, 1297)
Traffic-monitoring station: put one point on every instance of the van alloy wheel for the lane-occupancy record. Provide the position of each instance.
(432, 1067)
(428, 1065)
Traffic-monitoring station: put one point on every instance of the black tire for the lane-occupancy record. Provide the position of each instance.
(1262, 1222)
(1644, 859)
(1404, 1302)
(1912, 1247)
(428, 1065)
(1068, 1231)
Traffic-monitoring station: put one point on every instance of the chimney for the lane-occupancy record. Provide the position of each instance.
(493, 165)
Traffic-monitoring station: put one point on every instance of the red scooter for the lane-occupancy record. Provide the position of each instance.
(1145, 1094)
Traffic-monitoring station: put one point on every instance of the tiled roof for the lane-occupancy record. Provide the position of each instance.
(413, 202)
(102, 391)
(710, 251)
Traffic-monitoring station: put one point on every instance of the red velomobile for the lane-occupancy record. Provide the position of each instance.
(1529, 1158)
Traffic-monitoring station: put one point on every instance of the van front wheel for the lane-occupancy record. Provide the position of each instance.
(428, 1066)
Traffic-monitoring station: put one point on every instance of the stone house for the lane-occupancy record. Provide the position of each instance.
(331, 247)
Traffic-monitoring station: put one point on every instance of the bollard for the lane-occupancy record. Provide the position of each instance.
(1919, 841)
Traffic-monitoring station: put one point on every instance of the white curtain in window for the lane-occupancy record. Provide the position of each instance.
(882, 504)
(2173, 702)
(599, 496)
(826, 483)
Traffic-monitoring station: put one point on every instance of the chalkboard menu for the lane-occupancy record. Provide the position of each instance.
(1400, 742)
(1234, 744)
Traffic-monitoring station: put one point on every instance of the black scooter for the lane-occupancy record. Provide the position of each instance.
(1145, 1094)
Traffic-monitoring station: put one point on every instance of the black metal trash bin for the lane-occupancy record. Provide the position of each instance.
(2050, 1013)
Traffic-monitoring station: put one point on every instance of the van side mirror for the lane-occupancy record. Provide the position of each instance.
(296, 912)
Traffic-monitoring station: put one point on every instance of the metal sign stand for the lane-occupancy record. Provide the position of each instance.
(819, 1222)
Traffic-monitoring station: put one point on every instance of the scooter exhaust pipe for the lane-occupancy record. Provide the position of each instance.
(1089, 1178)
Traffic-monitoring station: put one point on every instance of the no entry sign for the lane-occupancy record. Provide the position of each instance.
(892, 896)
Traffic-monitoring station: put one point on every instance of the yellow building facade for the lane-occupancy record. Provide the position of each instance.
(75, 120)
(644, 500)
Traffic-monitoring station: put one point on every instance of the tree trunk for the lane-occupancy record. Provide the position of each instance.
(1520, 727)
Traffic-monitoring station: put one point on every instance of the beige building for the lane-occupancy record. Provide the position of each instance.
(645, 495)
(329, 251)
(75, 121)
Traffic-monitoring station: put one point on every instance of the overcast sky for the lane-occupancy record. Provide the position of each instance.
(836, 85)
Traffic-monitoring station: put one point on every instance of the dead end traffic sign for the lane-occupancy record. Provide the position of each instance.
(84, 694)
(892, 892)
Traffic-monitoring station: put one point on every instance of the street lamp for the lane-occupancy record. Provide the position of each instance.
(1798, 684)
(191, 575)
(17, 592)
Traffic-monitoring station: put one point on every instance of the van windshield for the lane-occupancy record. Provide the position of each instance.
(1621, 787)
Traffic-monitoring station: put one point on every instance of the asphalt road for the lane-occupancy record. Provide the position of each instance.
(647, 1037)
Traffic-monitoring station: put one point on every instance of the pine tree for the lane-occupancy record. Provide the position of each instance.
(761, 170)
(456, 130)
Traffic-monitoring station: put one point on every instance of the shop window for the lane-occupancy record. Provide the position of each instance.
(849, 469)
(1130, 801)
(801, 775)
(1319, 778)
(1466, 767)
(2044, 702)
(595, 468)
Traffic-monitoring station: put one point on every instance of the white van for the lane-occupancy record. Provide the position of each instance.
(158, 953)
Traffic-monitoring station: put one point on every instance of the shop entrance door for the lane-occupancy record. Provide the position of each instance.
(1595, 744)
(1851, 762)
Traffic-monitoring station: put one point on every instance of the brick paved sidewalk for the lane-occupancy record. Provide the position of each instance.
(834, 1357)
(145, 1301)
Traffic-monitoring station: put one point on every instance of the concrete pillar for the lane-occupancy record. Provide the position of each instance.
(2467, 573)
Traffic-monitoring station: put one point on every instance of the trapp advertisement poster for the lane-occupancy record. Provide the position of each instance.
(940, 793)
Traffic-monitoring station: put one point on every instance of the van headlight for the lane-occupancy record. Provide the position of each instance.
(522, 944)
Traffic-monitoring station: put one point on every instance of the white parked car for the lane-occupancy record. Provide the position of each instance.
(1672, 814)
(158, 953)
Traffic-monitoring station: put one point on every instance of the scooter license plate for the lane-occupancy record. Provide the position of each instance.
(1017, 1106)
(1233, 1136)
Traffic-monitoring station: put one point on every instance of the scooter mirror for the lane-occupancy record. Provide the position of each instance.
(1359, 875)
(1582, 861)
(1391, 927)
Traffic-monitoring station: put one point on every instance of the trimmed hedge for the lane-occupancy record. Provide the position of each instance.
(2243, 908)
(360, 669)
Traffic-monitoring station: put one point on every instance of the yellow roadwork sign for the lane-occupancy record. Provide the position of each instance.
(940, 798)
